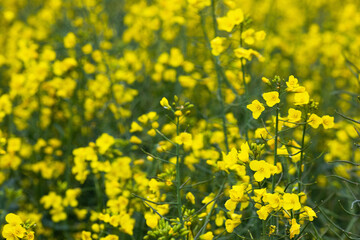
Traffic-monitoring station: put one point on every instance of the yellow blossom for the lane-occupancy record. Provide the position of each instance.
(104, 142)
(225, 24)
(190, 197)
(291, 201)
(184, 138)
(327, 122)
(264, 212)
(236, 15)
(152, 219)
(165, 103)
(314, 120)
(301, 98)
(236, 195)
(231, 224)
(292, 84)
(70, 40)
(207, 236)
(135, 127)
(295, 228)
(217, 45)
(86, 235)
(256, 108)
(265, 80)
(271, 98)
(274, 200)
(13, 219)
(135, 140)
(13, 232)
(293, 117)
(309, 213)
(243, 155)
(86, 49)
(262, 169)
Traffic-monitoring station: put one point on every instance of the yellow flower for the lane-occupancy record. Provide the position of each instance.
(184, 138)
(151, 132)
(135, 127)
(265, 80)
(229, 160)
(301, 98)
(262, 169)
(190, 197)
(86, 49)
(291, 201)
(282, 150)
(271, 98)
(295, 228)
(310, 213)
(71, 195)
(232, 18)
(225, 24)
(178, 113)
(314, 120)
(292, 84)
(243, 155)
(207, 236)
(264, 212)
(256, 107)
(327, 121)
(70, 40)
(165, 103)
(294, 115)
(176, 58)
(110, 237)
(13, 232)
(274, 200)
(13, 219)
(243, 53)
(217, 45)
(85, 235)
(13, 145)
(232, 223)
(152, 219)
(236, 15)
(135, 140)
(104, 142)
(272, 229)
(30, 235)
(236, 195)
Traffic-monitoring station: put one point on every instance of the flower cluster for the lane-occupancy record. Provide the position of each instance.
(17, 229)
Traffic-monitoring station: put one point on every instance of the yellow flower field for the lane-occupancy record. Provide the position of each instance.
(179, 119)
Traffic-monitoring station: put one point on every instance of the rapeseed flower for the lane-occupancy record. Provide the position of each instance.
(262, 169)
(217, 45)
(301, 98)
(271, 98)
(314, 120)
(291, 201)
(294, 229)
(256, 108)
(327, 122)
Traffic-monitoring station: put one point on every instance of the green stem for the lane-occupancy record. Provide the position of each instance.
(245, 86)
(178, 174)
(207, 219)
(214, 17)
(275, 148)
(99, 194)
(219, 78)
(264, 229)
(302, 154)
